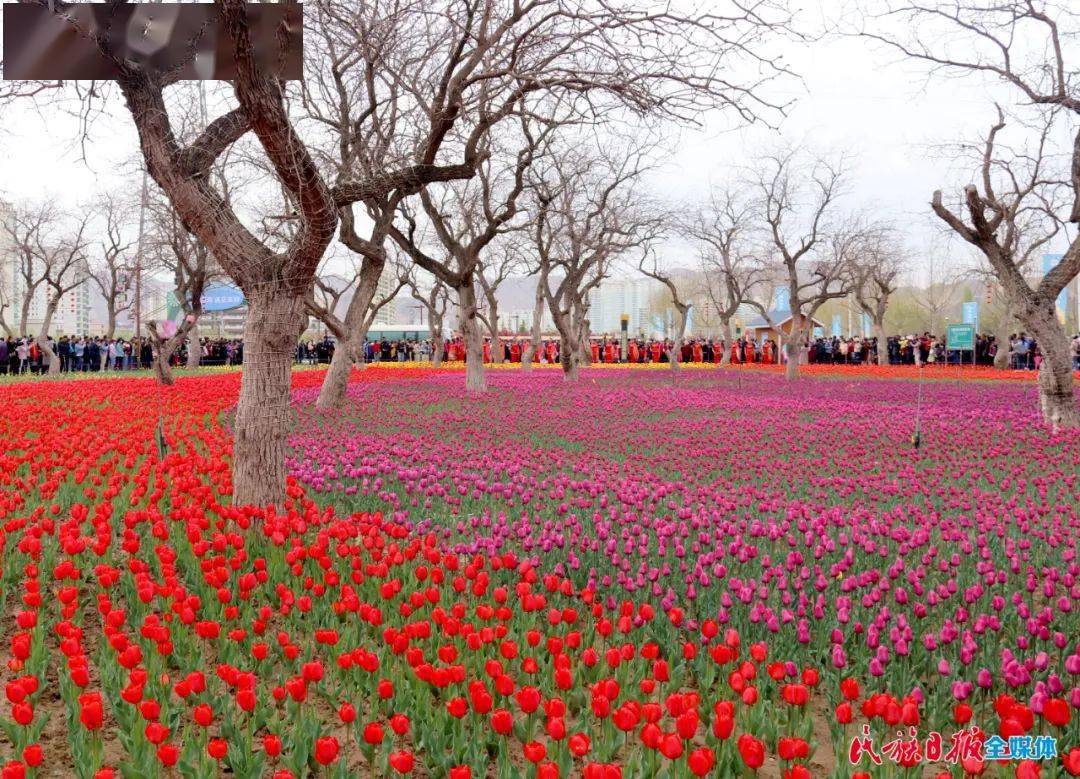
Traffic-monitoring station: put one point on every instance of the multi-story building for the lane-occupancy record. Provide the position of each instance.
(614, 297)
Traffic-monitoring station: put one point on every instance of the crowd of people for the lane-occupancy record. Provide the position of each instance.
(83, 354)
(86, 354)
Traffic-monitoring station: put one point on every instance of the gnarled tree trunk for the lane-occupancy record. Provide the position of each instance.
(793, 346)
(336, 383)
(473, 338)
(194, 348)
(1057, 398)
(725, 350)
(43, 337)
(264, 415)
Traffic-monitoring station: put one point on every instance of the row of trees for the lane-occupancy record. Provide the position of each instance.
(457, 140)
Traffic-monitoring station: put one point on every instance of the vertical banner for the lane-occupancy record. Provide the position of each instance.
(782, 299)
(867, 326)
(836, 326)
(971, 314)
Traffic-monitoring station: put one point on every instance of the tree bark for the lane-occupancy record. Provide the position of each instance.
(1057, 397)
(882, 342)
(725, 351)
(194, 348)
(43, 337)
(473, 337)
(793, 350)
(264, 415)
(336, 384)
(570, 359)
(534, 335)
(162, 355)
(436, 346)
(493, 321)
(675, 355)
(1001, 359)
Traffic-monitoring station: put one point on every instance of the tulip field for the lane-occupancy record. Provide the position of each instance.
(727, 575)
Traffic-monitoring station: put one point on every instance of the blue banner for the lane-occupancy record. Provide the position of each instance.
(867, 326)
(836, 326)
(971, 314)
(782, 299)
(222, 297)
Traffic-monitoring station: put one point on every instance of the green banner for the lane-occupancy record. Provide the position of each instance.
(960, 337)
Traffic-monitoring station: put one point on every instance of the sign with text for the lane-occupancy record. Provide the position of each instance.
(960, 338)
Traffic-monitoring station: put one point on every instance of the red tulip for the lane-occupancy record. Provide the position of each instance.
(1056, 712)
(326, 750)
(751, 750)
(578, 744)
(402, 762)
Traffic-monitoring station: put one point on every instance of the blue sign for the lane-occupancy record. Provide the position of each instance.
(1050, 261)
(867, 326)
(222, 297)
(970, 314)
(782, 299)
(836, 326)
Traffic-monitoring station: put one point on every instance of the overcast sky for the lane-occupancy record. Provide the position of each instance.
(852, 96)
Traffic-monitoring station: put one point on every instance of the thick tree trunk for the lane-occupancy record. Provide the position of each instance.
(1057, 396)
(534, 334)
(264, 415)
(675, 355)
(162, 370)
(793, 345)
(43, 340)
(882, 343)
(1004, 330)
(473, 337)
(194, 348)
(496, 342)
(436, 348)
(336, 384)
(570, 358)
(725, 351)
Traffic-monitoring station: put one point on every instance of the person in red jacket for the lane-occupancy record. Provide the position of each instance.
(750, 351)
(766, 353)
(487, 350)
(655, 351)
(632, 351)
(515, 352)
(735, 352)
(698, 354)
(609, 352)
(552, 352)
(594, 351)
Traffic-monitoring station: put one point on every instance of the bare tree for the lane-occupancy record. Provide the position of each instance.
(584, 222)
(1011, 214)
(436, 301)
(192, 268)
(537, 318)
(466, 221)
(877, 269)
(64, 268)
(649, 265)
(723, 230)
(28, 228)
(796, 202)
(1025, 44)
(502, 261)
(112, 271)
(331, 294)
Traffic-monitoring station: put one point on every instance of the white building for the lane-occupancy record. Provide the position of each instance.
(614, 297)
